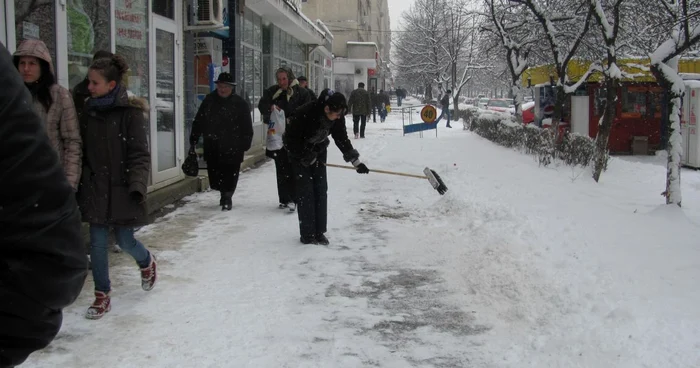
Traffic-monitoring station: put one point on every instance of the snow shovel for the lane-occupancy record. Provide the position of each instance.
(431, 175)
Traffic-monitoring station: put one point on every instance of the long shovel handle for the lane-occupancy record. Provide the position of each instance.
(380, 171)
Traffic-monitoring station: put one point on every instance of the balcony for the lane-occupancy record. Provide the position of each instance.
(286, 15)
(363, 54)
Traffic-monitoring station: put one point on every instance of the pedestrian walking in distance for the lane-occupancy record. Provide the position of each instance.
(360, 104)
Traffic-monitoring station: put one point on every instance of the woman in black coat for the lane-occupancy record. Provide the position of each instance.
(116, 166)
(306, 140)
(287, 95)
(224, 120)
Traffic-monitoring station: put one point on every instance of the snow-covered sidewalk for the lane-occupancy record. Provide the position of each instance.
(516, 266)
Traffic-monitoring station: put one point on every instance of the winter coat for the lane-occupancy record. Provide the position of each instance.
(61, 119)
(308, 131)
(289, 102)
(42, 257)
(116, 162)
(445, 101)
(360, 102)
(226, 126)
(383, 99)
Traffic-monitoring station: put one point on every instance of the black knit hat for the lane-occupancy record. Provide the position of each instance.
(226, 78)
(334, 100)
(302, 78)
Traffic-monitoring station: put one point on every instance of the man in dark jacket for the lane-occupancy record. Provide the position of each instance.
(42, 258)
(80, 91)
(360, 104)
(306, 139)
(445, 103)
(224, 120)
(286, 95)
(304, 83)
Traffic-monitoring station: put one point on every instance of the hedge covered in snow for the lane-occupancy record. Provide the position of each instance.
(573, 149)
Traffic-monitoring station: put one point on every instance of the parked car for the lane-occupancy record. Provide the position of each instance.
(482, 102)
(499, 104)
(528, 112)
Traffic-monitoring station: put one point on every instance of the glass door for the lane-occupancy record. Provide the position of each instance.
(166, 128)
(3, 23)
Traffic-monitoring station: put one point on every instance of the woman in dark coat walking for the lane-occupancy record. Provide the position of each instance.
(116, 165)
(286, 95)
(224, 120)
(306, 140)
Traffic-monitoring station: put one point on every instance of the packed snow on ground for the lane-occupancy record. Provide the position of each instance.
(516, 266)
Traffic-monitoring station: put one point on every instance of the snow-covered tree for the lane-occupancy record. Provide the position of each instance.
(683, 14)
(513, 32)
(607, 15)
(564, 24)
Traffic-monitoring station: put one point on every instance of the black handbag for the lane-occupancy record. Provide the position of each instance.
(191, 166)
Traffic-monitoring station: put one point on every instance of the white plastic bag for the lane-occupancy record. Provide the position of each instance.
(275, 130)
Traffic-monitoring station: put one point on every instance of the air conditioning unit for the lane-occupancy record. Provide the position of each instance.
(210, 12)
(358, 71)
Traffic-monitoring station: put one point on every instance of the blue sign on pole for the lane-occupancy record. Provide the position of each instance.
(413, 128)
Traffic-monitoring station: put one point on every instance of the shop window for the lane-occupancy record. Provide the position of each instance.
(248, 27)
(257, 80)
(131, 23)
(257, 31)
(656, 98)
(165, 8)
(634, 102)
(89, 31)
(36, 20)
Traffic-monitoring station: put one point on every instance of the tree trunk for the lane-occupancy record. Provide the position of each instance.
(516, 90)
(600, 156)
(674, 149)
(558, 108)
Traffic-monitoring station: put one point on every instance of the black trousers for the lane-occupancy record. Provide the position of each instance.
(374, 114)
(224, 176)
(312, 196)
(286, 188)
(355, 120)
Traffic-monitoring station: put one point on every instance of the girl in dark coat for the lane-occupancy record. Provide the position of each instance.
(224, 120)
(306, 140)
(116, 164)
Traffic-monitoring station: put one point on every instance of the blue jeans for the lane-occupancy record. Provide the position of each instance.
(99, 244)
(444, 112)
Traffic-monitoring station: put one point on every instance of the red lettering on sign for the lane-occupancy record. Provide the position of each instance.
(127, 17)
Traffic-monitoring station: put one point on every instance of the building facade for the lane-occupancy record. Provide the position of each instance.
(175, 52)
(356, 25)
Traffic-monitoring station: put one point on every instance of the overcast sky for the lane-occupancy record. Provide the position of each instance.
(396, 7)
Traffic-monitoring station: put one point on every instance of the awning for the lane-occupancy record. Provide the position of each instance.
(286, 18)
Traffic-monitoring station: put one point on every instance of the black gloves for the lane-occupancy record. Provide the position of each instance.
(362, 169)
(138, 197)
(308, 159)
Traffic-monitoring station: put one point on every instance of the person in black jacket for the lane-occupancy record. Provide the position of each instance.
(306, 140)
(224, 120)
(42, 258)
(304, 83)
(286, 95)
(445, 102)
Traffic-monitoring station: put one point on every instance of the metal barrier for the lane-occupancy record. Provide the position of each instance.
(417, 127)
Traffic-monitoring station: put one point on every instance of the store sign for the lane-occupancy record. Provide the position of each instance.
(130, 16)
(30, 31)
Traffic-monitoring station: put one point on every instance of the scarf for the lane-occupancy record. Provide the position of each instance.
(290, 91)
(104, 102)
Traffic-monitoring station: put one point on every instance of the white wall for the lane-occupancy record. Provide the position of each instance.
(579, 115)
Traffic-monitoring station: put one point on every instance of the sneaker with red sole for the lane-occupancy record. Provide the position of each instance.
(149, 275)
(100, 306)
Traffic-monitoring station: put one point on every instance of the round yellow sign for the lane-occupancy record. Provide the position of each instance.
(428, 114)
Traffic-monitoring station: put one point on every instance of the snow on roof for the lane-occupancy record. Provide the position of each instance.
(690, 76)
(692, 83)
(362, 43)
(323, 26)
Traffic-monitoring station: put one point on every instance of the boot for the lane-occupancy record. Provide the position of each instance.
(227, 202)
(149, 274)
(357, 135)
(321, 239)
(292, 206)
(100, 306)
(307, 239)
